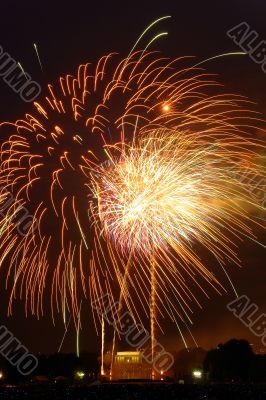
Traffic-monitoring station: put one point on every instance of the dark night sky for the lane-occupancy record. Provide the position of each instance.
(69, 33)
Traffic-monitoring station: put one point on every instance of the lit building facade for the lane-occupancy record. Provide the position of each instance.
(130, 365)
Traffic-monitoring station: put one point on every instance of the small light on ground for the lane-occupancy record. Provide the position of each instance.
(197, 374)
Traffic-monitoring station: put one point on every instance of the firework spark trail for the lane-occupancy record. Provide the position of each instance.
(60, 162)
(38, 56)
(102, 346)
(153, 309)
(146, 30)
(64, 335)
(22, 69)
(122, 296)
(78, 331)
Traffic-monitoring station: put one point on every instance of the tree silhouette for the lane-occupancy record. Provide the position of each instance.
(231, 361)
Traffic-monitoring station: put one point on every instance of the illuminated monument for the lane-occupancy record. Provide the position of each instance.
(130, 365)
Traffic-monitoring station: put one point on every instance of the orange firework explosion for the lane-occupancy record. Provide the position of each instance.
(149, 195)
(166, 194)
(51, 163)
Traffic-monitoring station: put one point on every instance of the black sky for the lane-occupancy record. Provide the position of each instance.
(70, 33)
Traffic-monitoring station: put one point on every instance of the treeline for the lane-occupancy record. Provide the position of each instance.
(58, 365)
(233, 361)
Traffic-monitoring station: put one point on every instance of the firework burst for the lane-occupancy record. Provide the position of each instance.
(167, 194)
(159, 189)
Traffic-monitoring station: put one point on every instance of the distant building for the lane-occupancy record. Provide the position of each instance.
(130, 365)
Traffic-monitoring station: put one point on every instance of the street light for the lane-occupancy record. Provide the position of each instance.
(80, 374)
(197, 374)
